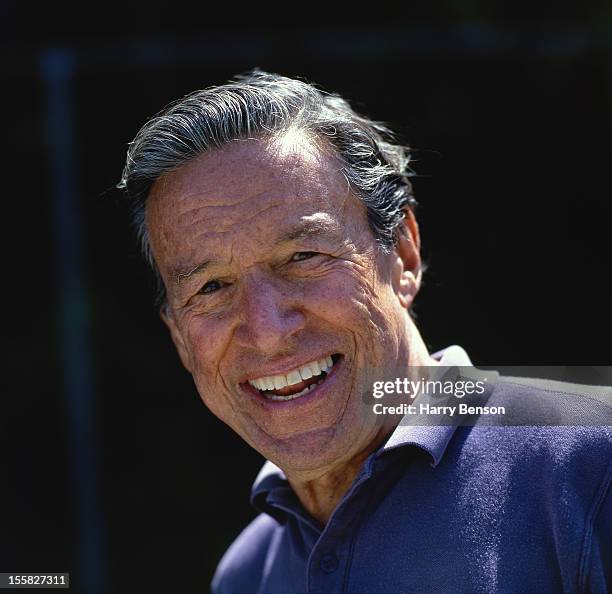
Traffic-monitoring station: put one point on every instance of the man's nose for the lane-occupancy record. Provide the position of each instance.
(270, 315)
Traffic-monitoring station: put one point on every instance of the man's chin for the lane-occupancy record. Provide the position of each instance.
(306, 451)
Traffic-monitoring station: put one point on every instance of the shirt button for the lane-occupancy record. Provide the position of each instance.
(329, 563)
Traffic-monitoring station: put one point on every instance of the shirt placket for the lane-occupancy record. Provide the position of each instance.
(330, 559)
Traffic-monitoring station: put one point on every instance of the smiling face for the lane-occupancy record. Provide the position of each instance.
(272, 274)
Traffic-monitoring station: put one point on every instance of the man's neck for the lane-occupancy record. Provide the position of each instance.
(320, 494)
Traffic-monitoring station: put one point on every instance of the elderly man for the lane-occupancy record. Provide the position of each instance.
(280, 224)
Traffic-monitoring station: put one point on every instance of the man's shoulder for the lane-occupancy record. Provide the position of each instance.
(243, 563)
(551, 388)
(574, 412)
(552, 427)
(551, 403)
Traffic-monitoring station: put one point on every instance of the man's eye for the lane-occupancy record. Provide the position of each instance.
(210, 287)
(299, 256)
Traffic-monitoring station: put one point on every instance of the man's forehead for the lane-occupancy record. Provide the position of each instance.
(258, 162)
(318, 227)
(237, 182)
(236, 200)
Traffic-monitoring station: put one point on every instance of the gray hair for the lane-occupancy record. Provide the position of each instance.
(260, 105)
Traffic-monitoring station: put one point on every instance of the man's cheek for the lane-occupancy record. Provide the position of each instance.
(341, 296)
(215, 399)
(206, 339)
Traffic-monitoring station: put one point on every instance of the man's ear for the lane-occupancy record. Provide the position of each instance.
(407, 266)
(177, 338)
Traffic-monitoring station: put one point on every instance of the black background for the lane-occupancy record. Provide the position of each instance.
(509, 113)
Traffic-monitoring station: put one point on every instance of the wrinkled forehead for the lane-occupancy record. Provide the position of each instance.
(253, 187)
(244, 170)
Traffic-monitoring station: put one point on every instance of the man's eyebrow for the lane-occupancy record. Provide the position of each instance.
(306, 229)
(180, 274)
(302, 229)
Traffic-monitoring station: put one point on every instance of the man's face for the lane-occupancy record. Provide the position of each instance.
(272, 273)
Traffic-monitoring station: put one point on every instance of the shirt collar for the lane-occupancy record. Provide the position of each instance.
(269, 480)
(432, 439)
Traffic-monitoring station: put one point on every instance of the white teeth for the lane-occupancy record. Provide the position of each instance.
(305, 372)
(314, 368)
(293, 378)
(276, 382)
(280, 381)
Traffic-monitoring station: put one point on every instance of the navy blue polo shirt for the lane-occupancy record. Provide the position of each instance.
(442, 509)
